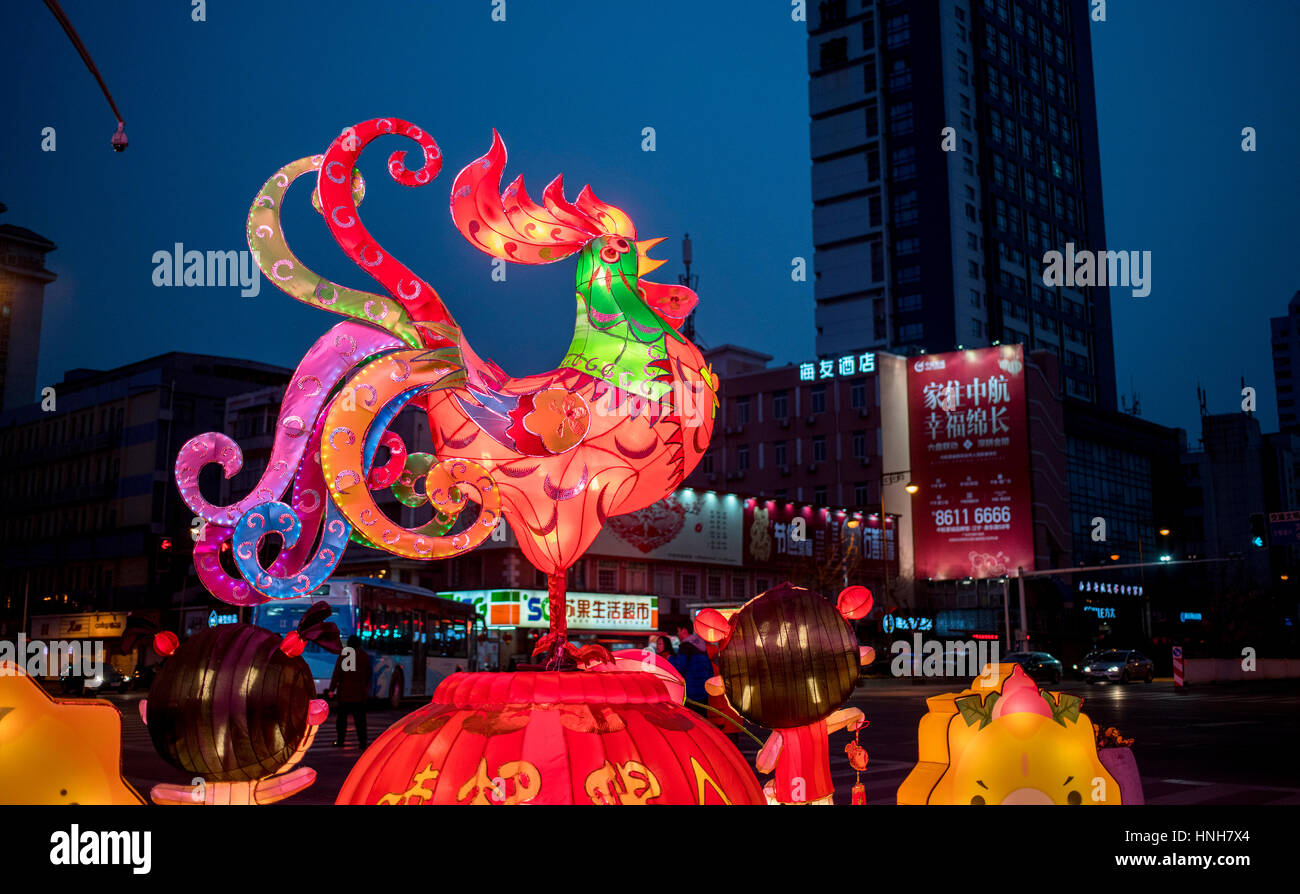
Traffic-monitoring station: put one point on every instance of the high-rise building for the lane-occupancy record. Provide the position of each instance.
(954, 143)
(1286, 360)
(89, 513)
(23, 278)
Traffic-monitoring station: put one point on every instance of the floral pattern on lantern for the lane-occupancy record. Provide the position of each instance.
(560, 418)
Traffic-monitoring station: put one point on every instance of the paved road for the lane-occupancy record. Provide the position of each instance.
(1231, 744)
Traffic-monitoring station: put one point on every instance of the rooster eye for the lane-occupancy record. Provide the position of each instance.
(609, 254)
(621, 244)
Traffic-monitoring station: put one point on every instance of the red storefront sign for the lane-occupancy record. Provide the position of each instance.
(779, 535)
(970, 455)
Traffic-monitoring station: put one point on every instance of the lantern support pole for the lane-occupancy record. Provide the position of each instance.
(556, 587)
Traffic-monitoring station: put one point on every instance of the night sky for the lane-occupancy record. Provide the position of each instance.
(215, 108)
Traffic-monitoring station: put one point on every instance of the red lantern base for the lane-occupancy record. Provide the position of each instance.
(552, 738)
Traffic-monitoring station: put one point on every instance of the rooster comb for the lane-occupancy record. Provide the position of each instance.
(509, 224)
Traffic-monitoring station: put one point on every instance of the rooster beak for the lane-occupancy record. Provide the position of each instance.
(646, 264)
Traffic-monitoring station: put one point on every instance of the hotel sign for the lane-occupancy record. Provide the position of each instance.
(847, 365)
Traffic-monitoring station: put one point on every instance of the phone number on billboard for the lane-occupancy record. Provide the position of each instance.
(983, 515)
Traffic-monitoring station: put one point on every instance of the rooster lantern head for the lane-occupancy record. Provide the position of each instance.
(611, 260)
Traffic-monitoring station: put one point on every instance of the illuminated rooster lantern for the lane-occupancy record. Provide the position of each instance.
(789, 660)
(630, 411)
(235, 707)
(579, 737)
(621, 422)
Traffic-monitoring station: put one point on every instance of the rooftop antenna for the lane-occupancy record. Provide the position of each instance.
(1136, 408)
(691, 281)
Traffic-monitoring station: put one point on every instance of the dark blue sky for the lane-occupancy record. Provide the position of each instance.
(214, 108)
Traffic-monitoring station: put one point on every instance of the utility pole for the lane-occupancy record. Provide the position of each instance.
(691, 282)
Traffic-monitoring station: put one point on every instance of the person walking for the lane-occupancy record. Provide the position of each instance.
(352, 686)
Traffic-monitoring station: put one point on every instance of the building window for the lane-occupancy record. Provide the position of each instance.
(607, 578)
(819, 448)
(778, 453)
(708, 463)
(781, 405)
(907, 303)
(901, 120)
(897, 32)
(818, 398)
(910, 332)
(858, 394)
(742, 411)
(742, 457)
(859, 445)
(900, 75)
(860, 494)
(903, 163)
(690, 584)
(819, 495)
(906, 209)
(908, 274)
(715, 588)
(834, 52)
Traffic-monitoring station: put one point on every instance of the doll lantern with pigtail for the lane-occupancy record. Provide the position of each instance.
(235, 707)
(788, 660)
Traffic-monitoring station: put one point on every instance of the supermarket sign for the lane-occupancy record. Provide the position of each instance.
(585, 611)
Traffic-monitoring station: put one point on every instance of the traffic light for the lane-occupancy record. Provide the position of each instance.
(1258, 530)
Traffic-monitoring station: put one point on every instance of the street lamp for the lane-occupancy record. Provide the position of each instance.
(887, 478)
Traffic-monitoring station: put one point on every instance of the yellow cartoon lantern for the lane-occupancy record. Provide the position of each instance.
(1003, 741)
(58, 751)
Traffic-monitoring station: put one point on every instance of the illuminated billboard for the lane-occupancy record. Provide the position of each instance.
(969, 443)
(586, 611)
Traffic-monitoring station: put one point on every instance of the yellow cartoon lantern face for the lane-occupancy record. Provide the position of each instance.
(1005, 742)
(58, 751)
(1027, 759)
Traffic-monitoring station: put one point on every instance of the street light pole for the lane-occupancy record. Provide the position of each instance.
(889, 478)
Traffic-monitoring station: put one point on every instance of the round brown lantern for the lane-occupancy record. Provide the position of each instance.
(229, 705)
(789, 659)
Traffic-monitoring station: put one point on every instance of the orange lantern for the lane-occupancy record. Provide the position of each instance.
(552, 738)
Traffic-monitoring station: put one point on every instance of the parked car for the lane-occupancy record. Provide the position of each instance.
(109, 678)
(1118, 666)
(1038, 665)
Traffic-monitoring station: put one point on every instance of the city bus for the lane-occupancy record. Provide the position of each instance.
(414, 637)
